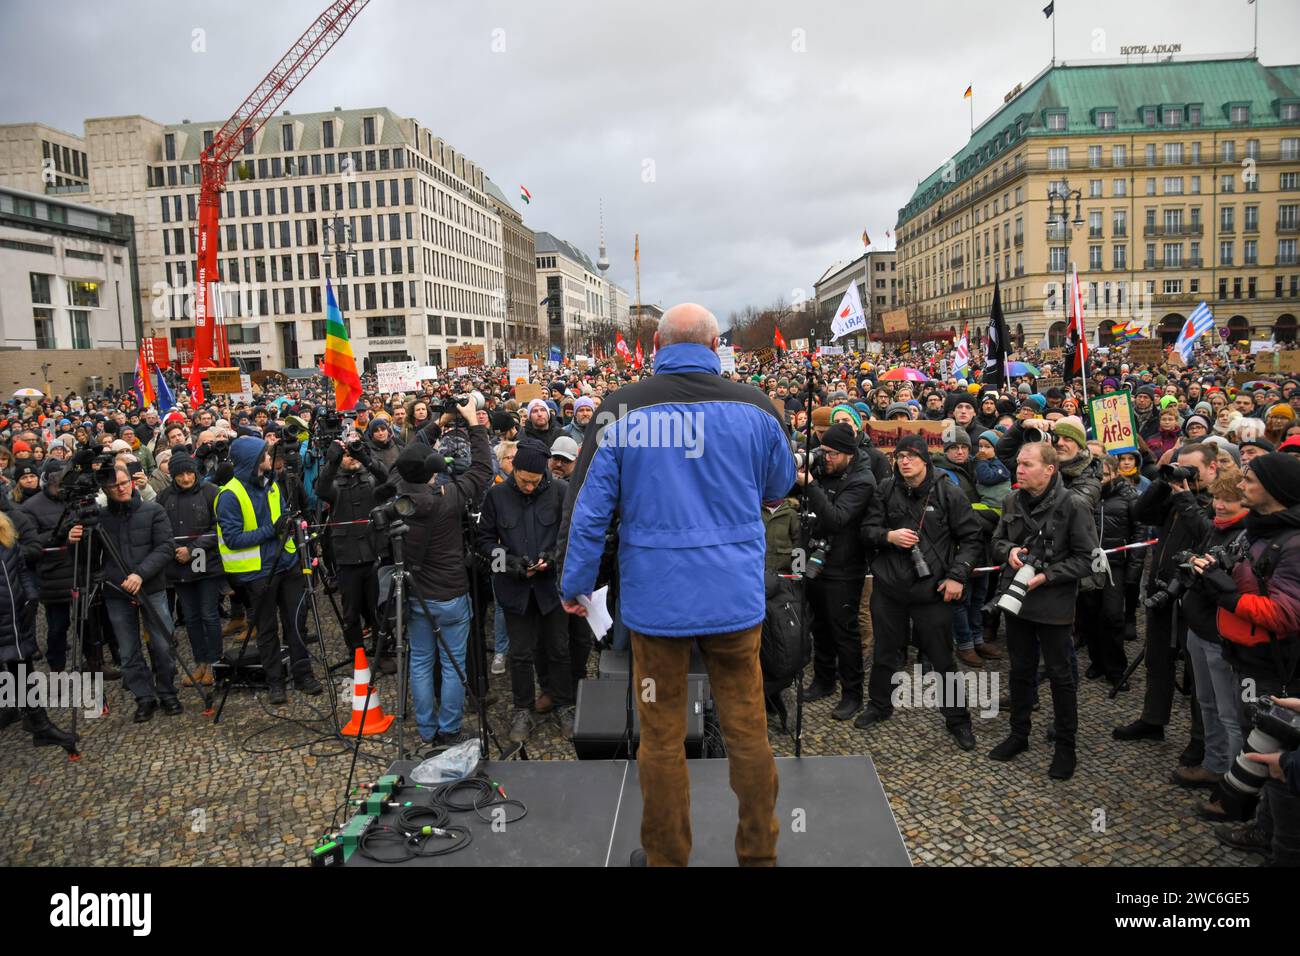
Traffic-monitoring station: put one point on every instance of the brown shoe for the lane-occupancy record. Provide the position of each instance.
(234, 627)
(543, 704)
(208, 677)
(1196, 777)
(969, 656)
(198, 676)
(988, 652)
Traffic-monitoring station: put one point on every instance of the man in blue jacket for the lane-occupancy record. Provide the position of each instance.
(252, 519)
(686, 458)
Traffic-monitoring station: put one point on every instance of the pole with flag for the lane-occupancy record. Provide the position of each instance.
(778, 339)
(970, 95)
(340, 364)
(1049, 11)
(166, 400)
(143, 387)
(997, 348)
(1079, 358)
(1255, 50)
(961, 355)
(1198, 323)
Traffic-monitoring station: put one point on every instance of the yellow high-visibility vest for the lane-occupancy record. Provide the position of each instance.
(247, 560)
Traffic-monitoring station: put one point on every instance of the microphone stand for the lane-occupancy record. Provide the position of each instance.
(805, 533)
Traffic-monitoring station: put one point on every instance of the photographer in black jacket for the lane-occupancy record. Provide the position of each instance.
(346, 484)
(1183, 514)
(53, 570)
(435, 556)
(840, 486)
(1101, 602)
(1047, 529)
(518, 535)
(925, 539)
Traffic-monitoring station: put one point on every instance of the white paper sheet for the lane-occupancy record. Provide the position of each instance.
(598, 618)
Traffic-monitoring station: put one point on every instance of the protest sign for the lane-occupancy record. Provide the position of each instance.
(1113, 423)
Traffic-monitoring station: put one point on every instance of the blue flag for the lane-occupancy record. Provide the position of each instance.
(166, 400)
(556, 354)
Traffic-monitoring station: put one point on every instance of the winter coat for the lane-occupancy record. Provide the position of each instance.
(1199, 606)
(18, 592)
(350, 496)
(948, 529)
(840, 503)
(1082, 478)
(524, 526)
(245, 453)
(1061, 548)
(1181, 521)
(992, 481)
(191, 512)
(781, 528)
(1118, 526)
(691, 539)
(142, 536)
(546, 435)
(1255, 612)
(387, 451)
(435, 545)
(53, 568)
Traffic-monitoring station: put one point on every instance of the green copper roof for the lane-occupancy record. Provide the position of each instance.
(1214, 85)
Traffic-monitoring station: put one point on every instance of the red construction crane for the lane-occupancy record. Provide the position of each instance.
(215, 163)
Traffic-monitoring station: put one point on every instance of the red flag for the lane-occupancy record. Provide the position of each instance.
(640, 356)
(779, 340)
(621, 347)
(1078, 335)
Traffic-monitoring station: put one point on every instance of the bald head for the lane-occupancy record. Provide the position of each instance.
(688, 322)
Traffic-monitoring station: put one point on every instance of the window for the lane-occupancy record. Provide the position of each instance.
(1094, 223)
(169, 147)
(1196, 186)
(1059, 259)
(1094, 257)
(80, 329)
(1106, 119)
(83, 294)
(1119, 222)
(1289, 182)
(1094, 189)
(1250, 217)
(1287, 216)
(1193, 116)
(1058, 157)
(1119, 187)
(1173, 154)
(1120, 257)
(1239, 114)
(1173, 286)
(1151, 185)
(1094, 155)
(1225, 253)
(1286, 253)
(435, 324)
(382, 325)
(1290, 148)
(1174, 116)
(1252, 149)
(1227, 184)
(1149, 116)
(368, 131)
(1228, 151)
(1151, 154)
(327, 135)
(1250, 252)
(1119, 155)
(1056, 120)
(40, 285)
(1173, 185)
(43, 320)
(1226, 215)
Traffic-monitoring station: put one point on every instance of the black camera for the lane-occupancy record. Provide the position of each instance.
(328, 426)
(1172, 590)
(1274, 728)
(218, 450)
(1172, 473)
(918, 562)
(452, 404)
(817, 548)
(356, 448)
(390, 512)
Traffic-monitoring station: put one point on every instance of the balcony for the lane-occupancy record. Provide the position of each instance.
(1182, 229)
(1020, 270)
(956, 262)
(1096, 232)
(1055, 234)
(1019, 239)
(1227, 229)
(1285, 226)
(1157, 265)
(1286, 260)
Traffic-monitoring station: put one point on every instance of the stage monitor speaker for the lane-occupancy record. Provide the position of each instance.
(600, 724)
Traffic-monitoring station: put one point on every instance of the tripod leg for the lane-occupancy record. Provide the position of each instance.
(1132, 668)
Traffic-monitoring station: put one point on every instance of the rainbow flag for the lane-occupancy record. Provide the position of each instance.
(340, 364)
(1126, 331)
(143, 387)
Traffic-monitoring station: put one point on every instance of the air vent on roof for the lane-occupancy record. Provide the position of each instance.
(338, 109)
(184, 121)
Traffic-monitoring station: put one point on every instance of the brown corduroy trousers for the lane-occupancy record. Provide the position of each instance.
(660, 668)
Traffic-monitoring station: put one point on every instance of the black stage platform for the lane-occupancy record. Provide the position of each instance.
(588, 813)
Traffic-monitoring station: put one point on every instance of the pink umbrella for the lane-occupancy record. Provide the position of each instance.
(904, 375)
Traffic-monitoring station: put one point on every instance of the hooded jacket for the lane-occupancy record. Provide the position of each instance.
(350, 496)
(245, 453)
(949, 535)
(1258, 610)
(691, 538)
(1062, 551)
(387, 451)
(524, 526)
(53, 568)
(18, 592)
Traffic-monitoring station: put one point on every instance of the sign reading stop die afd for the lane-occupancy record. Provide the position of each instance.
(1112, 420)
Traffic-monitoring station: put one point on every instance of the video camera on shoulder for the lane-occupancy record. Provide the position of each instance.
(452, 404)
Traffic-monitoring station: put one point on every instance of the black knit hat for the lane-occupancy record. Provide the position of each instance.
(1279, 473)
(913, 444)
(418, 463)
(25, 467)
(181, 461)
(531, 456)
(841, 438)
(503, 421)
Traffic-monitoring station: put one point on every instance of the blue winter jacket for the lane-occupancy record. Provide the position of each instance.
(685, 459)
(245, 453)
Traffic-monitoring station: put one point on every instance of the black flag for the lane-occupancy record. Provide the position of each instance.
(997, 346)
(724, 338)
(1049, 9)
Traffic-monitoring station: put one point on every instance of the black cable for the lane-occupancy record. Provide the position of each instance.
(484, 794)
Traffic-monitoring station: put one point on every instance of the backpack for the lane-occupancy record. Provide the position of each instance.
(782, 652)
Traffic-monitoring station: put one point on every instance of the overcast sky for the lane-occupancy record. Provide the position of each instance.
(777, 131)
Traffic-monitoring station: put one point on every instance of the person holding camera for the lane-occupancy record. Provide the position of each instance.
(196, 570)
(839, 485)
(1178, 505)
(518, 535)
(135, 573)
(255, 539)
(926, 539)
(54, 567)
(1259, 621)
(347, 484)
(1045, 543)
(435, 556)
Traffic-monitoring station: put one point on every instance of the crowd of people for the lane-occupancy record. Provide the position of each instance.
(196, 516)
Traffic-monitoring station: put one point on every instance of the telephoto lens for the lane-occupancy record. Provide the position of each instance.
(918, 562)
(1177, 473)
(1013, 598)
(1273, 728)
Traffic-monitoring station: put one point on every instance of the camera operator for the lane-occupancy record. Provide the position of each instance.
(1050, 532)
(54, 568)
(1178, 505)
(347, 485)
(839, 485)
(925, 538)
(251, 520)
(435, 556)
(518, 535)
(195, 571)
(1259, 621)
(142, 537)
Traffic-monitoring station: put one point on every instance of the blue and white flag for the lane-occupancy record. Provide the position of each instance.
(849, 317)
(1198, 323)
(166, 400)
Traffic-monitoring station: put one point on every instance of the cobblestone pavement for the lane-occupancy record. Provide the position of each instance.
(179, 791)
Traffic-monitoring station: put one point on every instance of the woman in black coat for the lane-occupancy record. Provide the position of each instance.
(18, 647)
(1101, 608)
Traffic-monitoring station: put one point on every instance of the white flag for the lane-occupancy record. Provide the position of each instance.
(849, 316)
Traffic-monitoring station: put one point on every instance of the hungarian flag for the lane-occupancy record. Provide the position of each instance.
(143, 387)
(340, 364)
(640, 355)
(621, 347)
(778, 339)
(524, 194)
(1077, 338)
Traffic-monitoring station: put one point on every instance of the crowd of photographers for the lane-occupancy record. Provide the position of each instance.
(198, 516)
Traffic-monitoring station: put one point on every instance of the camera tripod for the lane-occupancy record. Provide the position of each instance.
(805, 535)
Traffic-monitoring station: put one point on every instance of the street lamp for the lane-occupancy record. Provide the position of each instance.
(1062, 193)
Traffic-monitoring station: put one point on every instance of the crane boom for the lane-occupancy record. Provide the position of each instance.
(229, 141)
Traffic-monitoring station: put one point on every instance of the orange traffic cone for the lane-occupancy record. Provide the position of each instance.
(376, 721)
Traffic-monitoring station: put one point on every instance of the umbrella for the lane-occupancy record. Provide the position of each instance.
(904, 375)
(29, 393)
(1023, 368)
